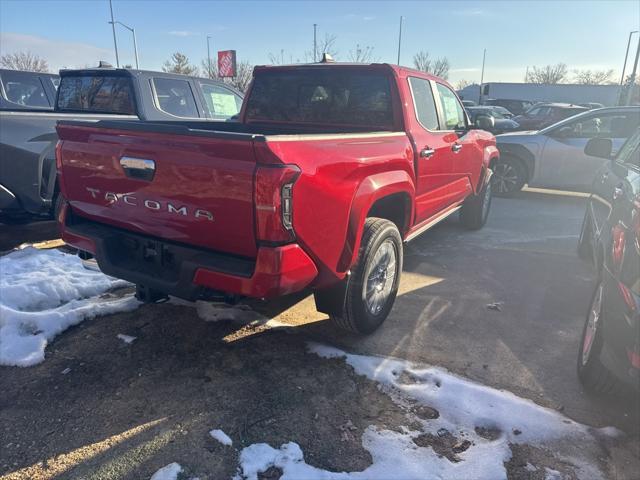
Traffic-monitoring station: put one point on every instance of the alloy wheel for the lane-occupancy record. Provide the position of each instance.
(380, 277)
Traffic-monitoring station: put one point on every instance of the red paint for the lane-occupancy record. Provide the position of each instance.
(336, 180)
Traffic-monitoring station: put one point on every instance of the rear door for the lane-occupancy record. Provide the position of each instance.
(433, 144)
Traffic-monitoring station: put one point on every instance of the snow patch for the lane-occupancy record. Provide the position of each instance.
(467, 411)
(44, 292)
(126, 338)
(168, 472)
(222, 437)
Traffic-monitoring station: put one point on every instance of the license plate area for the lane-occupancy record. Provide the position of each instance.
(144, 255)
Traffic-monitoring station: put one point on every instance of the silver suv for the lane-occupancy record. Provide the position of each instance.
(554, 156)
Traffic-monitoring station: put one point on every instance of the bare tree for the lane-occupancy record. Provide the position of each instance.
(460, 84)
(24, 61)
(324, 45)
(209, 70)
(244, 74)
(549, 74)
(439, 66)
(593, 77)
(361, 54)
(179, 63)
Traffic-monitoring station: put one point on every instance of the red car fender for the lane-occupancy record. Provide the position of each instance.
(372, 189)
(491, 153)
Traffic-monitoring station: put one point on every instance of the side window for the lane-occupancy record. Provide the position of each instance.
(175, 97)
(25, 89)
(630, 151)
(424, 103)
(220, 102)
(452, 111)
(612, 125)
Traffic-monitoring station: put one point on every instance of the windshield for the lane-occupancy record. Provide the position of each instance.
(322, 97)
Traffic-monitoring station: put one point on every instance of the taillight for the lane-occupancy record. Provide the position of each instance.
(635, 221)
(617, 246)
(274, 202)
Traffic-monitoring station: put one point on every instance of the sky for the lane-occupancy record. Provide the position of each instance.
(516, 34)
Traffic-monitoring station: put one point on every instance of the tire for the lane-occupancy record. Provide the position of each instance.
(592, 373)
(475, 209)
(509, 176)
(378, 270)
(585, 248)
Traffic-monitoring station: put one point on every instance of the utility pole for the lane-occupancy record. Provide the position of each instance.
(315, 49)
(632, 80)
(400, 38)
(484, 56)
(209, 55)
(115, 42)
(624, 65)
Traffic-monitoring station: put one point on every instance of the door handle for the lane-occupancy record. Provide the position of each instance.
(456, 147)
(427, 152)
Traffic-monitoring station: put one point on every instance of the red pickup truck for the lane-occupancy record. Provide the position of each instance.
(328, 170)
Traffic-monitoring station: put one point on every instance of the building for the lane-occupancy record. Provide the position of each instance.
(564, 92)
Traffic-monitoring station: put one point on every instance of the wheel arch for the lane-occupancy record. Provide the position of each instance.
(386, 195)
(519, 153)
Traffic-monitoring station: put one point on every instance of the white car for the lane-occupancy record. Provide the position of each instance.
(554, 156)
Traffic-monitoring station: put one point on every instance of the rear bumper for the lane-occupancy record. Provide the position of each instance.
(187, 272)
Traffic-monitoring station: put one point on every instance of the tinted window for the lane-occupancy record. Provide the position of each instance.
(25, 89)
(424, 103)
(220, 102)
(612, 125)
(451, 109)
(55, 82)
(322, 97)
(175, 97)
(100, 94)
(630, 153)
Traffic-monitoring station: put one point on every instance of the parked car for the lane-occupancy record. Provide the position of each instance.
(468, 103)
(545, 114)
(516, 107)
(330, 168)
(499, 123)
(554, 157)
(29, 112)
(610, 238)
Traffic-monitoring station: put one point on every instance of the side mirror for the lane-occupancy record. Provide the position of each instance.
(485, 122)
(599, 147)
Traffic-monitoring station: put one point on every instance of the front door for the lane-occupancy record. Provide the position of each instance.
(434, 166)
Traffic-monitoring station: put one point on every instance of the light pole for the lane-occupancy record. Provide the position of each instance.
(209, 55)
(113, 27)
(484, 56)
(400, 38)
(624, 65)
(135, 44)
(315, 50)
(632, 79)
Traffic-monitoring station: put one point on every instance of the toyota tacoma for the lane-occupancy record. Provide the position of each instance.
(330, 168)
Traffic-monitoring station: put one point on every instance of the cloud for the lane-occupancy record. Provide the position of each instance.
(368, 19)
(470, 12)
(58, 54)
(182, 33)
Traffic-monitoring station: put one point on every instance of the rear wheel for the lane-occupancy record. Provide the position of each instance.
(475, 209)
(591, 372)
(373, 284)
(509, 176)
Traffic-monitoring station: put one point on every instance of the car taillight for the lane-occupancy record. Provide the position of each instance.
(617, 246)
(274, 202)
(635, 221)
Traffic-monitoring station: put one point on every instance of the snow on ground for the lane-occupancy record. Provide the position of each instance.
(126, 338)
(44, 292)
(222, 437)
(466, 409)
(168, 472)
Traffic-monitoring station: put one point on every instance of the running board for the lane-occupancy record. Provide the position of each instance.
(431, 223)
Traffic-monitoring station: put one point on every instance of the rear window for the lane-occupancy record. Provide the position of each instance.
(322, 97)
(25, 89)
(99, 94)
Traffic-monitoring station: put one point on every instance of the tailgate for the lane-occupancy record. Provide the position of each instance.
(194, 188)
